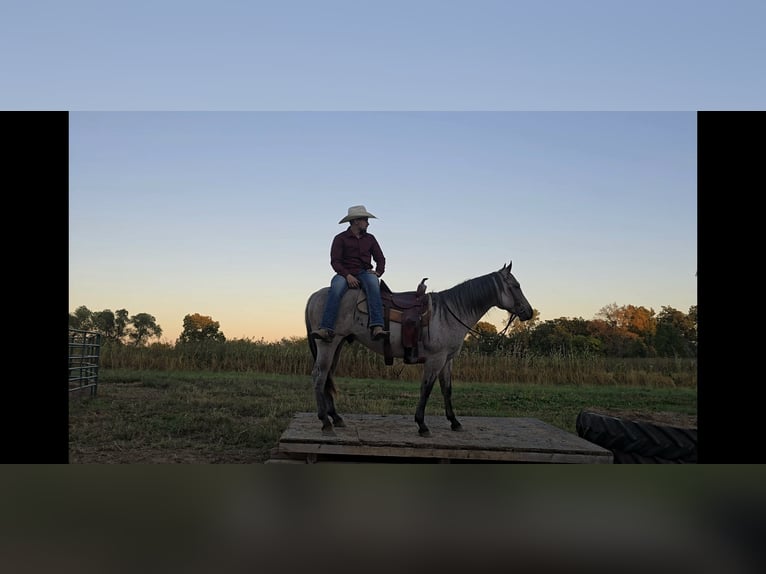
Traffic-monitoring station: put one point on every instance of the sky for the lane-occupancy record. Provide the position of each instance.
(599, 55)
(214, 146)
(231, 214)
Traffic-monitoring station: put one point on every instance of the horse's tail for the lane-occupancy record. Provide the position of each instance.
(312, 342)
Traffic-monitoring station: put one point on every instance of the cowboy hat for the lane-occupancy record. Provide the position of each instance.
(356, 212)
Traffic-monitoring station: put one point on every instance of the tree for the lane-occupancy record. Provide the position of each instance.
(143, 326)
(121, 322)
(485, 328)
(638, 320)
(612, 341)
(113, 326)
(81, 319)
(199, 328)
(636, 328)
(517, 338)
(692, 315)
(103, 322)
(485, 339)
(608, 313)
(676, 333)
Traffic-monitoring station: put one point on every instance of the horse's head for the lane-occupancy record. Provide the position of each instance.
(511, 298)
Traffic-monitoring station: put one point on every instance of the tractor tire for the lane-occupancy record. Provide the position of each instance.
(635, 441)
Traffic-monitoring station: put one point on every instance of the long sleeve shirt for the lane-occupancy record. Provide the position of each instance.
(352, 254)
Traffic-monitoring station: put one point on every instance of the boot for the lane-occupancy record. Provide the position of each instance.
(379, 333)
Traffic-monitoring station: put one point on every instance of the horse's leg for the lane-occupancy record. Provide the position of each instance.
(426, 386)
(337, 420)
(321, 375)
(445, 381)
(329, 390)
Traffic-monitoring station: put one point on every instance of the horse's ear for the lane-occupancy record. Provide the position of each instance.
(510, 264)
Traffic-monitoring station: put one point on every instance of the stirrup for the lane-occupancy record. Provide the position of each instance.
(323, 335)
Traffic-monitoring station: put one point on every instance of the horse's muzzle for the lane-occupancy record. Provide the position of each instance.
(524, 314)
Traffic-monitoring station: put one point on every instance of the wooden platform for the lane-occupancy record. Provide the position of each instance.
(394, 438)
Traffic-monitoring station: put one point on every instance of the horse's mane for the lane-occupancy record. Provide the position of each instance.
(470, 296)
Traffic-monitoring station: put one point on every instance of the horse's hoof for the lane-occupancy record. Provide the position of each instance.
(327, 428)
(457, 427)
(424, 433)
(340, 423)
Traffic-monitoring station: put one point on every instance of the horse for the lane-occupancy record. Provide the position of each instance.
(452, 313)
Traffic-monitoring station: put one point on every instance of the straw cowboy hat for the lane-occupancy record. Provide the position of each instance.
(356, 212)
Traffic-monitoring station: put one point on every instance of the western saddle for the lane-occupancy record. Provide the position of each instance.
(412, 310)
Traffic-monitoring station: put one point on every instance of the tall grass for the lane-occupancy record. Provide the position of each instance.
(292, 357)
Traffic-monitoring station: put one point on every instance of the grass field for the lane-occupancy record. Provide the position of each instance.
(204, 417)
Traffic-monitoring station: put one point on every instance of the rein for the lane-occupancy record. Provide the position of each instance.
(479, 334)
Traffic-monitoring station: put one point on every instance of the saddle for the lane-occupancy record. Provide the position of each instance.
(411, 309)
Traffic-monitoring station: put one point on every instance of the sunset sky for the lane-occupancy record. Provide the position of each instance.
(231, 214)
(215, 146)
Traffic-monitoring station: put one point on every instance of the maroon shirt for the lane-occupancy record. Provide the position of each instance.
(351, 254)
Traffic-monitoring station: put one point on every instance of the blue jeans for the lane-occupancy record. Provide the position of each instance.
(338, 288)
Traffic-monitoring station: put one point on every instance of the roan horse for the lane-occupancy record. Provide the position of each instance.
(453, 312)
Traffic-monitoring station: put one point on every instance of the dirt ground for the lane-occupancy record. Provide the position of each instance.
(159, 456)
(661, 418)
(138, 455)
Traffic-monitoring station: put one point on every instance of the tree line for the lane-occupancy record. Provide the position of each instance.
(137, 330)
(616, 331)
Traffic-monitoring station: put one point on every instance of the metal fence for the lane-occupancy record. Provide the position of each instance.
(84, 352)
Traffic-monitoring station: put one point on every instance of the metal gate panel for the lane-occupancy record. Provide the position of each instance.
(84, 353)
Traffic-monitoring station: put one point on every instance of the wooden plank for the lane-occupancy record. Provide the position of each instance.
(498, 439)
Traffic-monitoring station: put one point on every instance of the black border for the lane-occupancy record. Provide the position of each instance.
(36, 181)
(730, 178)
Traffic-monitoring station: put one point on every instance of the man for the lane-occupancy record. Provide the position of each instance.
(351, 256)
